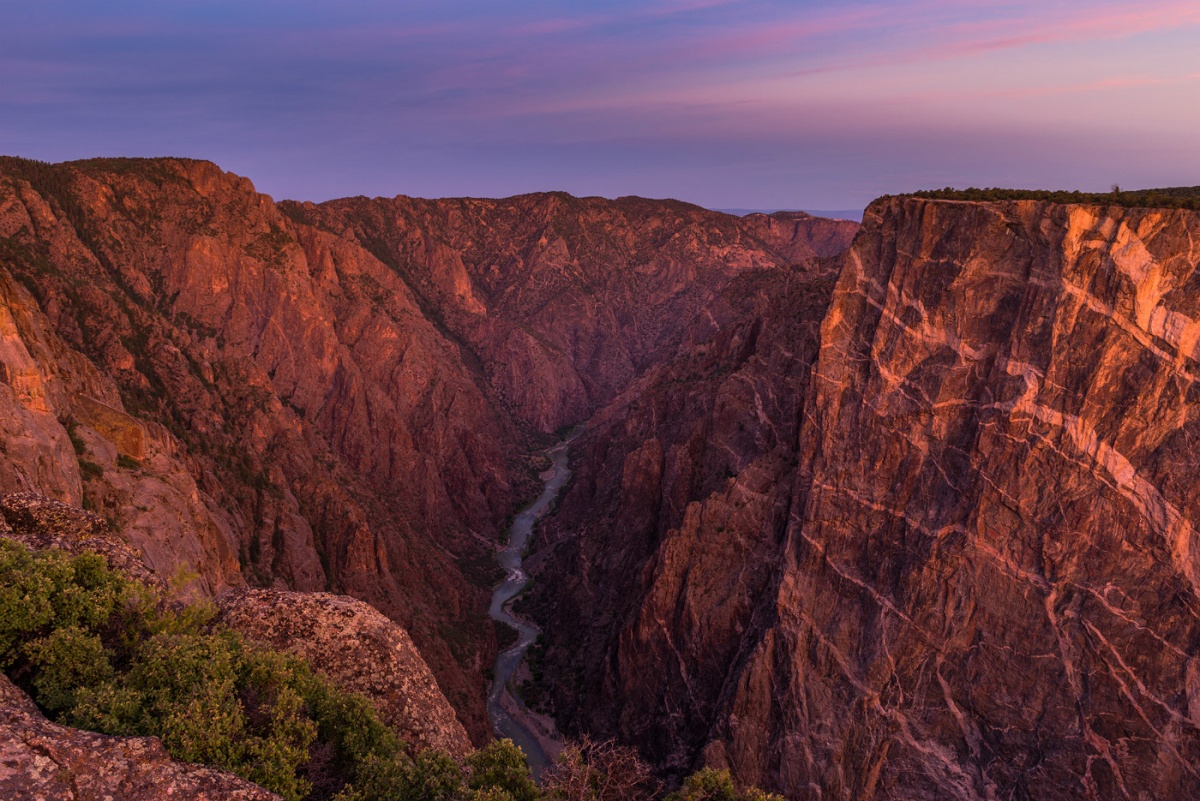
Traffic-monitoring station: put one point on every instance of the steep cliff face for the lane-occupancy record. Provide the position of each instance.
(668, 534)
(984, 586)
(564, 301)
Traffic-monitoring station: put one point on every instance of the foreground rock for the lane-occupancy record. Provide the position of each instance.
(38, 523)
(42, 760)
(358, 648)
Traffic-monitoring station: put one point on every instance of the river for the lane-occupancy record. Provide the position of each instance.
(501, 699)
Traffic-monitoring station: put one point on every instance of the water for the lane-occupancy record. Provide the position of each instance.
(515, 580)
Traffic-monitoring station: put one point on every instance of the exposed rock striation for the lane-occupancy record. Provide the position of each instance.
(42, 760)
(359, 649)
(669, 532)
(981, 571)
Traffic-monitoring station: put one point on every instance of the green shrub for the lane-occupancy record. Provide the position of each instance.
(708, 784)
(127, 462)
(68, 661)
(501, 765)
(76, 441)
(90, 471)
(99, 651)
(50, 590)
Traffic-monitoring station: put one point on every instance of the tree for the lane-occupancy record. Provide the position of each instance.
(600, 771)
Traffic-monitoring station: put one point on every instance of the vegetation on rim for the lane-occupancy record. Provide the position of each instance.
(1180, 197)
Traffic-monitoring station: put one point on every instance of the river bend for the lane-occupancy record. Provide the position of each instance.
(506, 725)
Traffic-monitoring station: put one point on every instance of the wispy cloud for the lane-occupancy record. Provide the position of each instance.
(668, 85)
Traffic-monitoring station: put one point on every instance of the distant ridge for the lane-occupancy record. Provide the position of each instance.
(834, 214)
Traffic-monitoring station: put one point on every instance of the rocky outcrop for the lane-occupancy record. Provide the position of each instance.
(42, 760)
(360, 650)
(982, 577)
(38, 523)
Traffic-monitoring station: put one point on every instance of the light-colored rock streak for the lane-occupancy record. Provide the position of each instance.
(1185, 329)
(866, 587)
(1157, 511)
(1168, 742)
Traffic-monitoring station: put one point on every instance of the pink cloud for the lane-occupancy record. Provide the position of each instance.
(1035, 26)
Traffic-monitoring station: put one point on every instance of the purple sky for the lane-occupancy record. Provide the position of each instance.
(752, 104)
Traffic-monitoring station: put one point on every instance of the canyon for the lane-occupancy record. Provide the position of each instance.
(903, 511)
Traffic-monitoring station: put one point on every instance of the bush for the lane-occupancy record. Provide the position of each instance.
(99, 651)
(50, 591)
(90, 471)
(501, 765)
(69, 661)
(708, 784)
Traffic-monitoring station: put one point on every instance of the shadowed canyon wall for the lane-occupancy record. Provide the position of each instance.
(968, 571)
(563, 301)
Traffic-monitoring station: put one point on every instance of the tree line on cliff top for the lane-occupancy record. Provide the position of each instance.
(1182, 197)
(102, 652)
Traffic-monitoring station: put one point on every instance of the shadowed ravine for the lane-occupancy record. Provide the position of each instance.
(517, 730)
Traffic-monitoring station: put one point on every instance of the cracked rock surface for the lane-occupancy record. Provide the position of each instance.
(42, 761)
(360, 649)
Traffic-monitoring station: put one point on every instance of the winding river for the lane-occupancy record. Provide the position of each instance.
(507, 725)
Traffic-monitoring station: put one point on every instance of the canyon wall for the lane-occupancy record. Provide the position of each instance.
(967, 571)
(342, 397)
(915, 522)
(563, 301)
(246, 400)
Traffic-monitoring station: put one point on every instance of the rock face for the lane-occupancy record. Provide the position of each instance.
(977, 577)
(42, 760)
(358, 648)
(668, 533)
(332, 398)
(243, 399)
(564, 301)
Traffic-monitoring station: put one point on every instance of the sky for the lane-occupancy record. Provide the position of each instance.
(758, 104)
